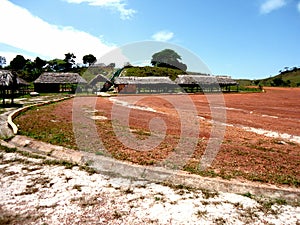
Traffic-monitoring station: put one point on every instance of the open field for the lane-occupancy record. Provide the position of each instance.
(261, 140)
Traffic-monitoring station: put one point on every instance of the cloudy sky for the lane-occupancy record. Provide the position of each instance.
(244, 39)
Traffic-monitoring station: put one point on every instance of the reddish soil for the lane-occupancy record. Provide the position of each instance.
(243, 154)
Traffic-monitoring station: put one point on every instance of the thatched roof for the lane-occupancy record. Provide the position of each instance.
(60, 78)
(204, 80)
(143, 80)
(6, 79)
(22, 82)
(227, 80)
(98, 78)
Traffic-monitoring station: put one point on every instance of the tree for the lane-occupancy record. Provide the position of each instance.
(39, 63)
(112, 65)
(18, 63)
(57, 65)
(168, 58)
(2, 61)
(89, 59)
(70, 61)
(278, 81)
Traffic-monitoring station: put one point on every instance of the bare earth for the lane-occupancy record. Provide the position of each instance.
(35, 193)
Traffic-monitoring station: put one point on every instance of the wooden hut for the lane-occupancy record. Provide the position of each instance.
(144, 84)
(8, 84)
(98, 81)
(58, 82)
(204, 83)
(23, 86)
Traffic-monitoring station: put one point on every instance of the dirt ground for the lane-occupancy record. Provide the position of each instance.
(260, 143)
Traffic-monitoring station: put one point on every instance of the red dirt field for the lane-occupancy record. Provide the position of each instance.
(242, 154)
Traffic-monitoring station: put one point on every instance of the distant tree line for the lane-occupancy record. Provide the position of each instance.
(30, 70)
(287, 70)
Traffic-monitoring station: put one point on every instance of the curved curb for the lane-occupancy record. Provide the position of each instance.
(17, 112)
(154, 174)
(114, 167)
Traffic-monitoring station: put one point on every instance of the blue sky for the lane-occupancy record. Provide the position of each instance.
(244, 39)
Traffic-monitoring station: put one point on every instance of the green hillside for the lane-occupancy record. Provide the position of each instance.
(152, 71)
(287, 78)
(284, 79)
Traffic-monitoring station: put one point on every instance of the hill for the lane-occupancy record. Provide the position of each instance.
(152, 71)
(287, 78)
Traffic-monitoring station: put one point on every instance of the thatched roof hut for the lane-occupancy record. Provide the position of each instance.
(57, 82)
(60, 78)
(6, 79)
(205, 82)
(145, 84)
(97, 79)
(22, 82)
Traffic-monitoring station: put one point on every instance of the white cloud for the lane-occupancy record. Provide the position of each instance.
(118, 5)
(298, 6)
(163, 36)
(22, 30)
(270, 5)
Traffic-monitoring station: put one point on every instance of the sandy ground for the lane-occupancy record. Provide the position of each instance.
(35, 193)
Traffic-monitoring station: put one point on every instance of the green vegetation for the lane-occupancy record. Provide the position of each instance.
(152, 71)
(168, 58)
(290, 78)
(30, 70)
(286, 78)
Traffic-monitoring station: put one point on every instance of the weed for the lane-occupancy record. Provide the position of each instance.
(117, 215)
(88, 169)
(219, 221)
(66, 164)
(77, 187)
(128, 191)
(248, 194)
(157, 198)
(209, 194)
(84, 202)
(201, 213)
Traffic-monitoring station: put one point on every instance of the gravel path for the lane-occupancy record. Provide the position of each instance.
(35, 190)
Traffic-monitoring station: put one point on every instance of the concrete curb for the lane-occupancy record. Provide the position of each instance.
(17, 112)
(109, 165)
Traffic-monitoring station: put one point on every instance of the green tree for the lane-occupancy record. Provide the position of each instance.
(168, 58)
(2, 61)
(89, 59)
(56, 65)
(278, 81)
(70, 61)
(18, 63)
(39, 63)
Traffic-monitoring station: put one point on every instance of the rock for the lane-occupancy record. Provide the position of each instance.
(33, 94)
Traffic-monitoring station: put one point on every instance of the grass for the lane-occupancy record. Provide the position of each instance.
(252, 161)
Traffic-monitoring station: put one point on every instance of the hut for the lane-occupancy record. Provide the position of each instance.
(144, 84)
(58, 82)
(98, 81)
(204, 83)
(8, 85)
(226, 82)
(23, 86)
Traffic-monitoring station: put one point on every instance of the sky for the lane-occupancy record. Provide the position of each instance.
(244, 39)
